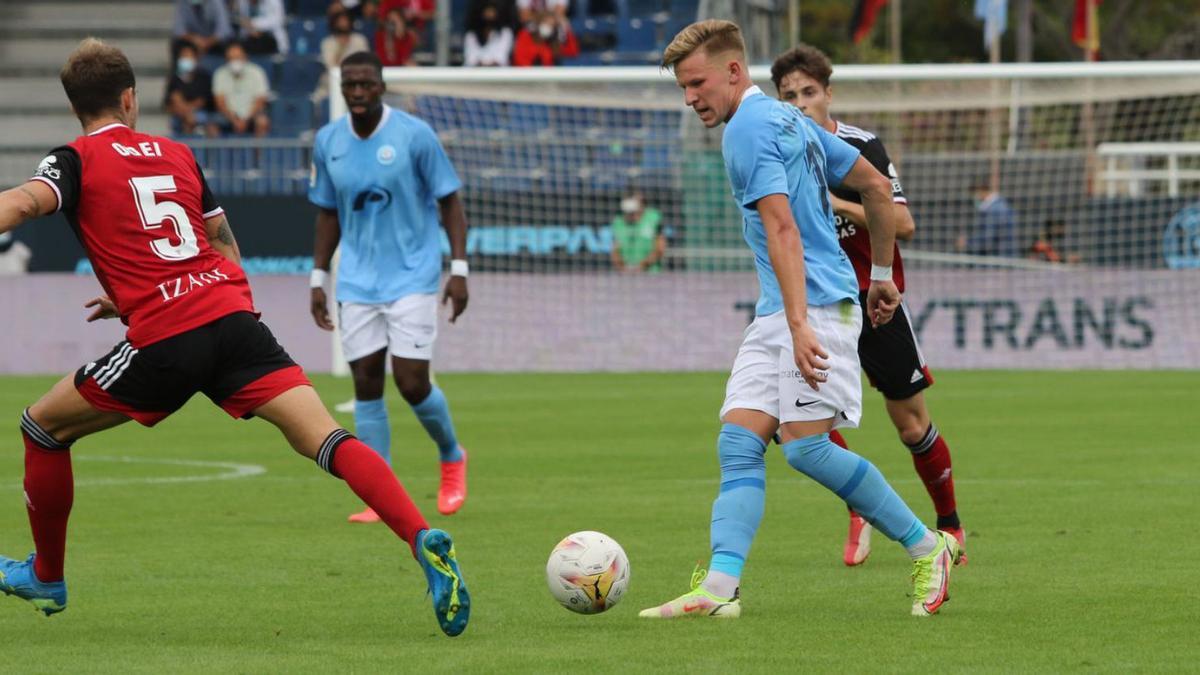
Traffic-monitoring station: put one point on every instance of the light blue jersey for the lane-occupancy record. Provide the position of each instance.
(771, 147)
(385, 189)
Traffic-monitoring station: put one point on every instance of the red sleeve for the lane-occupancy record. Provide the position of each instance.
(570, 46)
(523, 50)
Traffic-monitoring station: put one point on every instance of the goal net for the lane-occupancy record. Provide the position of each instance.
(1099, 163)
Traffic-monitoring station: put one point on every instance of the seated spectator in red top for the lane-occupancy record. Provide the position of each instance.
(395, 42)
(544, 42)
(416, 12)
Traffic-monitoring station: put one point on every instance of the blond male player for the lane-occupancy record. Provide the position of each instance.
(797, 372)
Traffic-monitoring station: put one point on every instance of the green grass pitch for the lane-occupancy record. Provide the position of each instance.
(1079, 492)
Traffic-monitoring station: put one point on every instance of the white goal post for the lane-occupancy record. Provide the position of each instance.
(1097, 162)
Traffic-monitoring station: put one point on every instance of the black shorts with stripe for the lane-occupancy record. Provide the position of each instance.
(891, 357)
(235, 361)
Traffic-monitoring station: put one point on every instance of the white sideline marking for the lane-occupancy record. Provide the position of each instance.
(232, 471)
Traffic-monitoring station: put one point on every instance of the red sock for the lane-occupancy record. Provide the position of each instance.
(373, 481)
(49, 493)
(931, 458)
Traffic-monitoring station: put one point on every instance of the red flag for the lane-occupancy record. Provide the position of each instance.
(865, 12)
(1088, 40)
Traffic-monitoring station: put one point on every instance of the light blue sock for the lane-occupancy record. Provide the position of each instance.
(371, 427)
(738, 508)
(434, 414)
(859, 483)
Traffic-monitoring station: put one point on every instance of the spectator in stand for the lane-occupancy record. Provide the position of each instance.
(544, 42)
(14, 255)
(395, 42)
(528, 11)
(341, 42)
(260, 26)
(639, 241)
(241, 89)
(1048, 245)
(189, 96)
(995, 230)
(417, 13)
(203, 23)
(488, 41)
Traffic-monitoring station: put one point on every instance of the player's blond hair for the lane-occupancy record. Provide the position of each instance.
(714, 36)
(94, 76)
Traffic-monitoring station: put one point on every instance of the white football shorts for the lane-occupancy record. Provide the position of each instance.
(407, 327)
(765, 376)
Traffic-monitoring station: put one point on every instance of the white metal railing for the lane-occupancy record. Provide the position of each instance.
(1126, 163)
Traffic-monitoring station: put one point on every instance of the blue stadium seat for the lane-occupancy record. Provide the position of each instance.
(305, 35)
(644, 7)
(529, 118)
(684, 10)
(291, 116)
(637, 35)
(656, 156)
(573, 121)
(590, 59)
(315, 8)
(437, 111)
(612, 164)
(479, 115)
(675, 24)
(298, 75)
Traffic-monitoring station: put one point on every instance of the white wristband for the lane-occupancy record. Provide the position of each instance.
(881, 273)
(319, 278)
(459, 268)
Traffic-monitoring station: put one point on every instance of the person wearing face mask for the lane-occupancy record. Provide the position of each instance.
(189, 97)
(395, 42)
(241, 90)
(638, 239)
(488, 41)
(341, 42)
(544, 42)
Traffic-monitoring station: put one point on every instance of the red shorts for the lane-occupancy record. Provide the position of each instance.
(235, 361)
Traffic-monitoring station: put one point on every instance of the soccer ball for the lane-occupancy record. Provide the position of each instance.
(587, 572)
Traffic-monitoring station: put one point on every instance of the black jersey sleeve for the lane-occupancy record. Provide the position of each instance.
(876, 154)
(208, 203)
(61, 170)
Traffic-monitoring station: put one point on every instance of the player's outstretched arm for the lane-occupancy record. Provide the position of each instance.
(876, 190)
(25, 202)
(454, 219)
(329, 233)
(220, 237)
(786, 251)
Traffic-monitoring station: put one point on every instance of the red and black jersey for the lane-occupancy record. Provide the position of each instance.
(138, 203)
(856, 240)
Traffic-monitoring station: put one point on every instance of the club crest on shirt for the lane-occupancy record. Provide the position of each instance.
(386, 154)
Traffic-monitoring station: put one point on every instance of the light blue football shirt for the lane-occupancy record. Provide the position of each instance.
(771, 147)
(385, 189)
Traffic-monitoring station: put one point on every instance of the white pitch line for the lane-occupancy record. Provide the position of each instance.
(232, 471)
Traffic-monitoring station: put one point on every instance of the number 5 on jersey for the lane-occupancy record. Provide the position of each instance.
(154, 212)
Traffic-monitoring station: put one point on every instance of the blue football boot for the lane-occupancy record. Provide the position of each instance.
(451, 602)
(18, 578)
